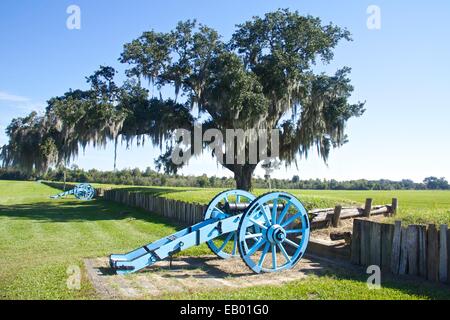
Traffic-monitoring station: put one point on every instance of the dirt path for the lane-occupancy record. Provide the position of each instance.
(189, 274)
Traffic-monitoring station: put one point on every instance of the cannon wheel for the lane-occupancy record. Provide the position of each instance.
(221, 246)
(284, 233)
(84, 192)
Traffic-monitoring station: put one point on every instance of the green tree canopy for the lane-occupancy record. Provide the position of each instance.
(262, 78)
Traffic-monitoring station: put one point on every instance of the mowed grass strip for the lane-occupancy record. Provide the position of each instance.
(41, 238)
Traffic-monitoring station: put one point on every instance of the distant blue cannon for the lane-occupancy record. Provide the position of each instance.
(83, 191)
(236, 223)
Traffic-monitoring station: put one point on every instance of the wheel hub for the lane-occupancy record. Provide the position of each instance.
(276, 234)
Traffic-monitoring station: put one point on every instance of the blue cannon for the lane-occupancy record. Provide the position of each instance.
(236, 223)
(83, 191)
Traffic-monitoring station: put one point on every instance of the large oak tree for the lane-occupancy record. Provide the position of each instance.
(262, 78)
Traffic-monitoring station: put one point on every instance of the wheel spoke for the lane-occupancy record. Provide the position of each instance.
(274, 257)
(264, 254)
(253, 235)
(283, 251)
(217, 212)
(266, 216)
(294, 231)
(274, 211)
(292, 243)
(256, 247)
(284, 212)
(245, 246)
(218, 209)
(291, 219)
(235, 237)
(227, 239)
(258, 224)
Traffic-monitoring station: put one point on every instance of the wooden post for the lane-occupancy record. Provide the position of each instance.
(443, 276)
(403, 269)
(432, 253)
(365, 242)
(423, 251)
(387, 236)
(394, 206)
(413, 250)
(396, 244)
(337, 216)
(356, 242)
(367, 207)
(375, 244)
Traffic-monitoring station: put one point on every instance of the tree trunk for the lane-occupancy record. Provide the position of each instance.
(243, 176)
(65, 178)
(116, 140)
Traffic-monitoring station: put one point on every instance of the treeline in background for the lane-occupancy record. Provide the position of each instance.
(150, 177)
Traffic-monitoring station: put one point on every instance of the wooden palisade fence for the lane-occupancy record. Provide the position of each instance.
(186, 213)
(415, 250)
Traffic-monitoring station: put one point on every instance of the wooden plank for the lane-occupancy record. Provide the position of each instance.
(387, 237)
(337, 216)
(432, 253)
(346, 213)
(199, 215)
(183, 210)
(375, 244)
(412, 240)
(356, 242)
(443, 276)
(383, 210)
(365, 242)
(422, 251)
(396, 246)
(198, 212)
(403, 268)
(190, 213)
(367, 207)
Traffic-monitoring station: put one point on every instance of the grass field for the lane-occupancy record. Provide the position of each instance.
(416, 207)
(40, 238)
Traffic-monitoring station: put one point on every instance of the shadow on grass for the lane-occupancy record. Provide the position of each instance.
(78, 211)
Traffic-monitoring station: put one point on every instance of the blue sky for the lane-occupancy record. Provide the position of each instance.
(401, 70)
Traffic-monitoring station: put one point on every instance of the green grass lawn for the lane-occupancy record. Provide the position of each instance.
(40, 238)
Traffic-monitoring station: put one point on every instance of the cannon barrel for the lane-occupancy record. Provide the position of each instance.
(243, 206)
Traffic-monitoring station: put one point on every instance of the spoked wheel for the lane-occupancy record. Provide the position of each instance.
(273, 232)
(226, 204)
(84, 191)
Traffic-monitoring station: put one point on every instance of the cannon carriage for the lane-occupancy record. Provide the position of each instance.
(82, 191)
(269, 233)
